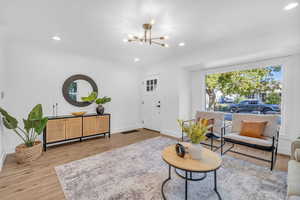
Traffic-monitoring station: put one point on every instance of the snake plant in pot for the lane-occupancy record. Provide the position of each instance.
(34, 125)
(99, 101)
(196, 131)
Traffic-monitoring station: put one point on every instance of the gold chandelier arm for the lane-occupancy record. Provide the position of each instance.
(159, 38)
(135, 40)
(160, 44)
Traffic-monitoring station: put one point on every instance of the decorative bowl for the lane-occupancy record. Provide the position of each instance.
(78, 113)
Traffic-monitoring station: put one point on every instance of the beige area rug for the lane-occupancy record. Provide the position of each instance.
(137, 171)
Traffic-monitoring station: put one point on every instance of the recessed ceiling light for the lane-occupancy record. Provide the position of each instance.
(56, 38)
(136, 59)
(291, 6)
(181, 44)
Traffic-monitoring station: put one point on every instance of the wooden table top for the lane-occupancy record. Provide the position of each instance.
(210, 161)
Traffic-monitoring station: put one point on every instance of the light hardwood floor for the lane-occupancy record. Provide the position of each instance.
(39, 181)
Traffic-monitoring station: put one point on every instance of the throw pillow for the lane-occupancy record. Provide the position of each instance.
(297, 155)
(253, 128)
(207, 122)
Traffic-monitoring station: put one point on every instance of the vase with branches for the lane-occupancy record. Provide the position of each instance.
(196, 132)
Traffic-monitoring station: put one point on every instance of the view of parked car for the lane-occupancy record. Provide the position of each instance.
(253, 105)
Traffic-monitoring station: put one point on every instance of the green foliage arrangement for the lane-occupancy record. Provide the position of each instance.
(196, 131)
(93, 98)
(33, 125)
(103, 100)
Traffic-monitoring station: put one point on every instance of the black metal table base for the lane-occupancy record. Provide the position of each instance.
(189, 177)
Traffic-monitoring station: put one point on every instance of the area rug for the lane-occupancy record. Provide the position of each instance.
(137, 171)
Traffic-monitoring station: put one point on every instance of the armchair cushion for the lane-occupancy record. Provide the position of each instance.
(263, 141)
(297, 155)
(293, 178)
(271, 127)
(295, 145)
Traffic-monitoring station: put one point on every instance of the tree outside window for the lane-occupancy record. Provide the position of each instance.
(225, 89)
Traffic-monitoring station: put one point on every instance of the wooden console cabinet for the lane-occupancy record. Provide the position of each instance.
(64, 128)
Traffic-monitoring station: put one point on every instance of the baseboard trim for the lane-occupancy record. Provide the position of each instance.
(173, 133)
(120, 130)
(2, 160)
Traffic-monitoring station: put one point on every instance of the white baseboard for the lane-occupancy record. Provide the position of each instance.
(2, 160)
(174, 133)
(119, 130)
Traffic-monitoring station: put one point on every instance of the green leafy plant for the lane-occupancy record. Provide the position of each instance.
(33, 125)
(103, 100)
(196, 131)
(93, 98)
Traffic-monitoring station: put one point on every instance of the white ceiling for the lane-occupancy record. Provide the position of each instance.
(211, 29)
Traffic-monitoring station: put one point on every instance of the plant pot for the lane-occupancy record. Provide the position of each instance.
(100, 109)
(26, 154)
(195, 150)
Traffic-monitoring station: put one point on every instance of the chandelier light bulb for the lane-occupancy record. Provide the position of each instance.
(181, 44)
(152, 21)
(291, 6)
(56, 38)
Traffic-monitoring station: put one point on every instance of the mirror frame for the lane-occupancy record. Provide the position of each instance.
(75, 78)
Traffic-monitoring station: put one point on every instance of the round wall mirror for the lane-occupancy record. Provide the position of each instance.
(78, 86)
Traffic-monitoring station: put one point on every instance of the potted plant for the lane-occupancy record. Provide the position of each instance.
(31, 149)
(99, 101)
(196, 131)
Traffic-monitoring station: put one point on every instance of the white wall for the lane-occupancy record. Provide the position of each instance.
(185, 94)
(36, 75)
(2, 89)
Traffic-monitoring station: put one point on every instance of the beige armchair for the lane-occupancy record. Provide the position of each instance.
(294, 172)
(269, 141)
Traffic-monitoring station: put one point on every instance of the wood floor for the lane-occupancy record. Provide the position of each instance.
(39, 181)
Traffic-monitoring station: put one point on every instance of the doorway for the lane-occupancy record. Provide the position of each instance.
(151, 103)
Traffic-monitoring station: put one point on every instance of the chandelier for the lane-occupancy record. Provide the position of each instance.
(147, 37)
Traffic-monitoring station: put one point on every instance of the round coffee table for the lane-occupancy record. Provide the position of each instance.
(211, 162)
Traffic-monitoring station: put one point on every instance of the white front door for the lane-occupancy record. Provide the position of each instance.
(151, 103)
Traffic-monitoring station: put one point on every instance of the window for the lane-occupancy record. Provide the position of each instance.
(255, 90)
(151, 85)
